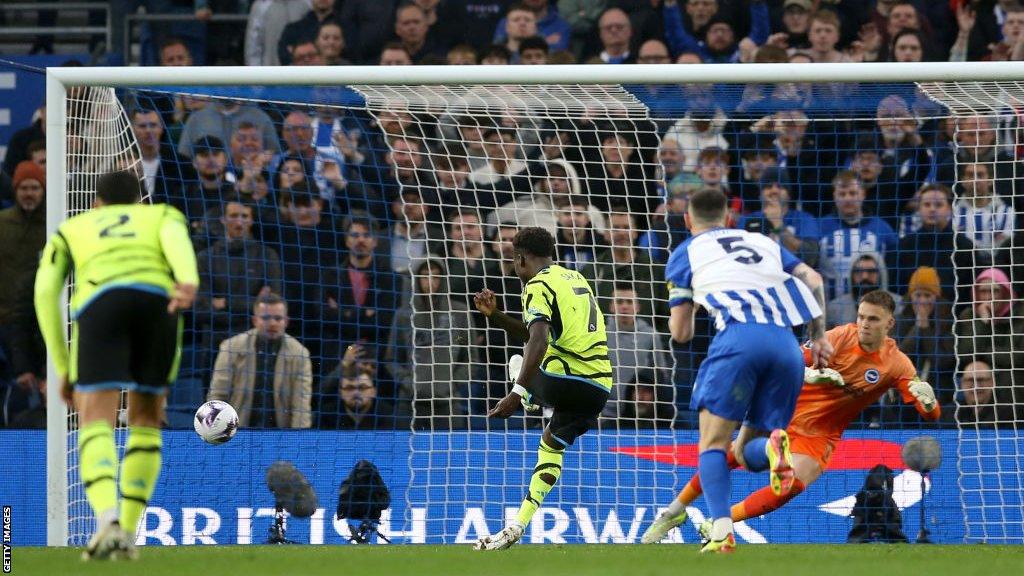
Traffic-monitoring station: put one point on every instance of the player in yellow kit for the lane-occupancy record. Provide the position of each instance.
(134, 270)
(565, 363)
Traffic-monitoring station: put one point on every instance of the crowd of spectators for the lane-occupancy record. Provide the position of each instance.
(339, 249)
(347, 32)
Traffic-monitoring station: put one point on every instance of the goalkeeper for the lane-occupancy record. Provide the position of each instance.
(866, 364)
(565, 363)
(134, 269)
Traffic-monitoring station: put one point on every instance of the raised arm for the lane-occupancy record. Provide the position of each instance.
(680, 295)
(486, 303)
(921, 394)
(760, 23)
(679, 40)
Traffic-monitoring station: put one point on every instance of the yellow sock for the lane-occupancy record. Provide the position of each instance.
(545, 474)
(139, 472)
(97, 458)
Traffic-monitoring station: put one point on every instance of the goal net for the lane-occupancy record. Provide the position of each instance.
(989, 323)
(375, 213)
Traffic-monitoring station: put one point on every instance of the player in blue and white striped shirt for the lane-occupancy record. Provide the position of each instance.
(757, 291)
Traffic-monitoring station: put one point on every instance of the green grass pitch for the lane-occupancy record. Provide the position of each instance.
(542, 560)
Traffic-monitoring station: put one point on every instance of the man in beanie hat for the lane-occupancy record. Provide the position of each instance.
(925, 332)
(22, 237)
(28, 170)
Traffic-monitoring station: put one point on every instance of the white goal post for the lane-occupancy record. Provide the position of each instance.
(1001, 78)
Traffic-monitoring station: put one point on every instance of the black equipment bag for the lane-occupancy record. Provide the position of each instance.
(876, 518)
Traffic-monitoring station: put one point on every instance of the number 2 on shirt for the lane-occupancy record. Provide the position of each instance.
(112, 231)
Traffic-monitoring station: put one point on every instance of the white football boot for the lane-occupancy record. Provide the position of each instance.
(110, 543)
(508, 536)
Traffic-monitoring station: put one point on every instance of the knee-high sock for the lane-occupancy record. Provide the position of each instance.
(693, 489)
(714, 476)
(97, 457)
(755, 455)
(139, 472)
(545, 474)
(764, 501)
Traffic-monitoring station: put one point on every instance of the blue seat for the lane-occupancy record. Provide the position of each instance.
(189, 365)
(184, 398)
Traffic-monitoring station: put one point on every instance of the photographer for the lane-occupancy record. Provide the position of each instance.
(795, 230)
(353, 404)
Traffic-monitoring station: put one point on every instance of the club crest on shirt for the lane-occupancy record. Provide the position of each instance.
(871, 376)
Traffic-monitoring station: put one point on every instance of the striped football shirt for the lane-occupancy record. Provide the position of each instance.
(982, 225)
(740, 276)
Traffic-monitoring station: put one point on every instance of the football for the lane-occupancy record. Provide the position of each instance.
(216, 422)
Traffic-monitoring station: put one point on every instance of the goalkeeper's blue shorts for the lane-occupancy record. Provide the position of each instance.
(753, 373)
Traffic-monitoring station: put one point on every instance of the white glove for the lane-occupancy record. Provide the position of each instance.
(823, 377)
(923, 393)
(515, 366)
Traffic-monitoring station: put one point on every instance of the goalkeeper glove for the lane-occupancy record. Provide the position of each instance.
(515, 365)
(923, 393)
(823, 377)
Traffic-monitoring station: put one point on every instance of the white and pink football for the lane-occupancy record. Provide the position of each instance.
(216, 422)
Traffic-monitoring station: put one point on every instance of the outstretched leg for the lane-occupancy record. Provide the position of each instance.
(763, 501)
(759, 450)
(545, 475)
(806, 469)
(675, 514)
